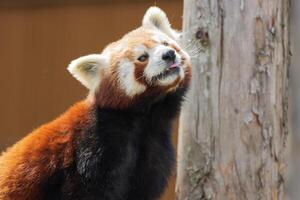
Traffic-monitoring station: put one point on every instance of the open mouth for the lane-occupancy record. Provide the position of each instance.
(170, 70)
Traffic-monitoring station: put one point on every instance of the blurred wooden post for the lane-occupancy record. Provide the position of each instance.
(295, 98)
(234, 140)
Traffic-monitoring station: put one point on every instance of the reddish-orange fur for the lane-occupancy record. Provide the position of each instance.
(25, 166)
(109, 94)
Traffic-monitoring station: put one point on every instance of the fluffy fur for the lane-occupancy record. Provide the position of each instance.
(116, 144)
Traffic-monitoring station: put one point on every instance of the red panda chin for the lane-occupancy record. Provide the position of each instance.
(129, 82)
(102, 148)
(110, 95)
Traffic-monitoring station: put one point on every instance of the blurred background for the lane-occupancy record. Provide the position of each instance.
(38, 40)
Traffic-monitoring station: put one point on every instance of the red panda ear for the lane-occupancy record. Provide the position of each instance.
(86, 69)
(157, 18)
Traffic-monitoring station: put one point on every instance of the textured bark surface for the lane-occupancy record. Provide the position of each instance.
(234, 140)
(294, 181)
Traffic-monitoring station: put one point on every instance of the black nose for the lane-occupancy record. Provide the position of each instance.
(169, 55)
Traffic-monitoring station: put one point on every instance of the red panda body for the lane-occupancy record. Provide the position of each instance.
(26, 166)
(116, 144)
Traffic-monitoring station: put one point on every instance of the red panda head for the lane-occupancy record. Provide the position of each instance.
(145, 64)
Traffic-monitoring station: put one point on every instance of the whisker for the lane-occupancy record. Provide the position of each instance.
(142, 76)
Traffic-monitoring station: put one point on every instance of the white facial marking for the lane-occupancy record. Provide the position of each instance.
(127, 79)
(140, 49)
(156, 65)
(171, 79)
(160, 38)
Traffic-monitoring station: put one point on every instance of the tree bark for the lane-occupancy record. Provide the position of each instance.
(294, 181)
(234, 136)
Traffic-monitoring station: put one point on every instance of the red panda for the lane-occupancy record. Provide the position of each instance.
(116, 144)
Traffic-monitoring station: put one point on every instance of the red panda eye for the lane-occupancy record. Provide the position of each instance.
(165, 43)
(143, 57)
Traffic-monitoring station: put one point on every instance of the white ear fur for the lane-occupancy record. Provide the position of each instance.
(86, 70)
(156, 18)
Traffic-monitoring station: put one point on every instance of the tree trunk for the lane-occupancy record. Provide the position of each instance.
(295, 98)
(234, 137)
